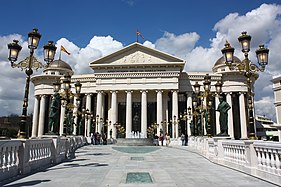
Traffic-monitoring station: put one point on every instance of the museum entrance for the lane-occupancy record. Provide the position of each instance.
(136, 115)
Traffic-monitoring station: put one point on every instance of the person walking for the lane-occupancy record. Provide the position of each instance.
(167, 139)
(186, 140)
(182, 139)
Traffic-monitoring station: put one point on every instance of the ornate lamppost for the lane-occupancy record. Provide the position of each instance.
(185, 117)
(29, 64)
(249, 70)
(88, 116)
(207, 94)
(66, 97)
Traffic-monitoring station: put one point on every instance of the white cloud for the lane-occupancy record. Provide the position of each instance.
(177, 45)
(264, 106)
(81, 57)
(262, 23)
(13, 80)
(149, 44)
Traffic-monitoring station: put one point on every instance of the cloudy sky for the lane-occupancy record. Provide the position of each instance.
(193, 30)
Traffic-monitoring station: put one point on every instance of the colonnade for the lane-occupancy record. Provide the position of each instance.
(39, 115)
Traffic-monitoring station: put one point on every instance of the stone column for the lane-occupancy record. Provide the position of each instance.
(114, 112)
(99, 107)
(217, 115)
(89, 107)
(175, 113)
(166, 112)
(159, 110)
(230, 115)
(189, 118)
(203, 118)
(128, 114)
(243, 120)
(144, 112)
(35, 118)
(75, 115)
(62, 114)
(42, 115)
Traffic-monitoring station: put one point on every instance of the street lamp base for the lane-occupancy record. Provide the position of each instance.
(252, 136)
(22, 135)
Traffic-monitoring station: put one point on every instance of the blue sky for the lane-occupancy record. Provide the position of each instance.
(79, 21)
(193, 30)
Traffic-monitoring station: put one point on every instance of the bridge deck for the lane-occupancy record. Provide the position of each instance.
(165, 167)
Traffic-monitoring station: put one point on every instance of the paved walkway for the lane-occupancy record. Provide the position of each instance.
(167, 166)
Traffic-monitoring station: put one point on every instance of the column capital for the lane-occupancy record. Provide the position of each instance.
(113, 91)
(43, 95)
(90, 94)
(143, 91)
(159, 91)
(175, 91)
(99, 91)
(240, 93)
(228, 93)
(129, 91)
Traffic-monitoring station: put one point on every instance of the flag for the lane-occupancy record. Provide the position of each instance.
(139, 34)
(64, 50)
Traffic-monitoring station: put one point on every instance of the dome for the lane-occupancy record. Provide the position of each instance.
(220, 65)
(58, 66)
(221, 61)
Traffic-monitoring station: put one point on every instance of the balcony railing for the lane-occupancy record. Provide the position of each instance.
(24, 156)
(258, 158)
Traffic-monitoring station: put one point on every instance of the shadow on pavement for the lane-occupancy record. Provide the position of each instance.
(29, 183)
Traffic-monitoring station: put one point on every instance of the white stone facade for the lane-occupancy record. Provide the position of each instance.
(138, 86)
(277, 96)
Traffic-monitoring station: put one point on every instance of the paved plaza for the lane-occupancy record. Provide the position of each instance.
(109, 165)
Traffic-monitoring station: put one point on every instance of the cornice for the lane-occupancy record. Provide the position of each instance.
(137, 74)
(201, 76)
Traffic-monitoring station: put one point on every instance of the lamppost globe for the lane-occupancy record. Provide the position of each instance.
(78, 86)
(56, 86)
(245, 40)
(262, 56)
(49, 51)
(33, 39)
(14, 49)
(66, 82)
(227, 52)
(218, 87)
(207, 83)
(196, 87)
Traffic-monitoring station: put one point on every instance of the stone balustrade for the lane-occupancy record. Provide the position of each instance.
(261, 159)
(24, 156)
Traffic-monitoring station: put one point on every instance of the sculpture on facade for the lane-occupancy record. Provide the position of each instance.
(54, 114)
(223, 108)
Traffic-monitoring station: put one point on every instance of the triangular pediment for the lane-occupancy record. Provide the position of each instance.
(136, 54)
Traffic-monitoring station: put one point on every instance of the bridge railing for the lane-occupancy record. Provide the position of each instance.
(261, 159)
(24, 156)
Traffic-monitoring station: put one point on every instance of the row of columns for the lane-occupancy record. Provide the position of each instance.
(40, 107)
(113, 116)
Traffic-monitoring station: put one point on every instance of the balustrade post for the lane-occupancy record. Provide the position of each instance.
(24, 150)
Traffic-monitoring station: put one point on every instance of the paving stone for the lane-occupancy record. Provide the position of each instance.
(168, 167)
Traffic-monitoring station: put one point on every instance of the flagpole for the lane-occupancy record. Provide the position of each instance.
(137, 36)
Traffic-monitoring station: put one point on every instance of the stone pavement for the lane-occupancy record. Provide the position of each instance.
(165, 167)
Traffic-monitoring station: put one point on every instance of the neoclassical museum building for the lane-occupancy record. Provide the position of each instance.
(136, 89)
